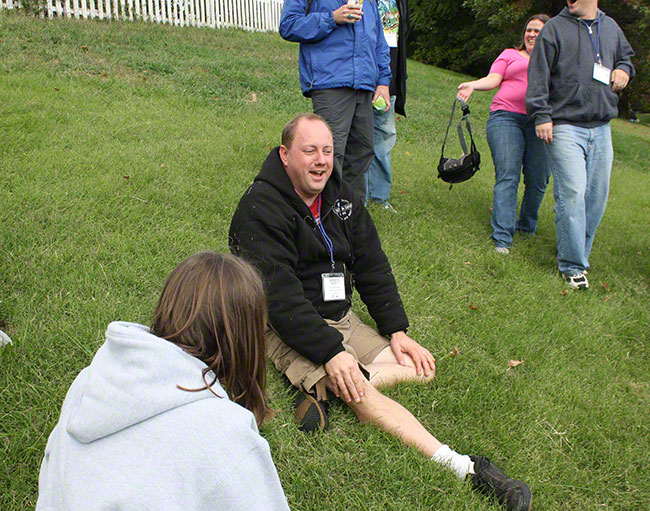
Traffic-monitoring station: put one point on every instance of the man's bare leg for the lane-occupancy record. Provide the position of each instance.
(391, 417)
(394, 419)
(386, 371)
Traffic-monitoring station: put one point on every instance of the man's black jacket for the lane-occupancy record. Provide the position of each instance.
(274, 229)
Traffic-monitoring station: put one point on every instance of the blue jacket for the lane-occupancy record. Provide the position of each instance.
(331, 56)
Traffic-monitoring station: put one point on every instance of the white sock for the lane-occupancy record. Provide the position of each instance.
(460, 464)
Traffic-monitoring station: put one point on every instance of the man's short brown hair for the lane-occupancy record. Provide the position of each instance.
(289, 130)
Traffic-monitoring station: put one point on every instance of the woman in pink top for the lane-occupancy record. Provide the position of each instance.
(512, 140)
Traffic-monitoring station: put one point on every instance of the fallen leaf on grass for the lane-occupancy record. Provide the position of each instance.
(402, 192)
(472, 306)
(467, 263)
(117, 193)
(453, 353)
(514, 363)
(607, 298)
(162, 165)
(126, 176)
(564, 292)
(409, 154)
(604, 285)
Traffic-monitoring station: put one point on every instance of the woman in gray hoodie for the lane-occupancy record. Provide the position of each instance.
(166, 417)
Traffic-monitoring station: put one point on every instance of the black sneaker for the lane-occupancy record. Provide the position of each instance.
(490, 480)
(310, 413)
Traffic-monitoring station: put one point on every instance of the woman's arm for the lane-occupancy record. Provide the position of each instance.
(489, 82)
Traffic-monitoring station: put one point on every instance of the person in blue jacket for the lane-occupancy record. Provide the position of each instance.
(344, 68)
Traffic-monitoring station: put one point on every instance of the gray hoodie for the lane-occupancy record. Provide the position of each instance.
(561, 86)
(128, 438)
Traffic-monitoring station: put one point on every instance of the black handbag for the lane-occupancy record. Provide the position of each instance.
(460, 169)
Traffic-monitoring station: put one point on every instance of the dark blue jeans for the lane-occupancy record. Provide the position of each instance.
(514, 145)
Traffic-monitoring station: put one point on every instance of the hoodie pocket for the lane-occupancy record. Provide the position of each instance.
(584, 102)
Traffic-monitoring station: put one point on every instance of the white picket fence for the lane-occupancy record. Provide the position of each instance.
(258, 15)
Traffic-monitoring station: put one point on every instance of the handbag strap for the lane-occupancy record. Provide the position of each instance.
(459, 127)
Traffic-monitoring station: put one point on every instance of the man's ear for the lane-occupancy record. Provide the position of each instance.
(283, 154)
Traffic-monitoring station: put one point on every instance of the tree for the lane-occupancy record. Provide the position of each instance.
(444, 35)
(466, 35)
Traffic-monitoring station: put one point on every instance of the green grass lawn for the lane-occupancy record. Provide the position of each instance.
(124, 148)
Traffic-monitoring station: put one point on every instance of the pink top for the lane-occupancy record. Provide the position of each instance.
(513, 66)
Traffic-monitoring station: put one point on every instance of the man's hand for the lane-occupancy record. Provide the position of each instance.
(401, 343)
(544, 132)
(384, 92)
(347, 13)
(345, 376)
(620, 79)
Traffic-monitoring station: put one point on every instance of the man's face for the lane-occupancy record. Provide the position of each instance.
(310, 159)
(582, 8)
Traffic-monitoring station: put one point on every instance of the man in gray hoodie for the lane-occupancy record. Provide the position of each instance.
(580, 62)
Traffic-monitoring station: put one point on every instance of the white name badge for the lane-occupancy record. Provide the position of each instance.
(333, 287)
(602, 73)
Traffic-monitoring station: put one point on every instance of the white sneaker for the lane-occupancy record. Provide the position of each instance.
(382, 204)
(577, 281)
(4, 339)
(502, 250)
(388, 207)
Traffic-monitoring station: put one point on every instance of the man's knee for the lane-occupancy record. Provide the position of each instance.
(406, 372)
(370, 406)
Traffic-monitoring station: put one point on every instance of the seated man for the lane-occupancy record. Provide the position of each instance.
(312, 239)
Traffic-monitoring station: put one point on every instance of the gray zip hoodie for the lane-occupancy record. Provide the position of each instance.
(561, 87)
(129, 439)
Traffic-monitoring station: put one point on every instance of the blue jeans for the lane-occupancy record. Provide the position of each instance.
(378, 175)
(514, 144)
(581, 160)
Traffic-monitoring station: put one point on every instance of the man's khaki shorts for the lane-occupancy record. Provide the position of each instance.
(360, 340)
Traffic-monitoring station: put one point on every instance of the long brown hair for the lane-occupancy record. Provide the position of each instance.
(213, 307)
(541, 17)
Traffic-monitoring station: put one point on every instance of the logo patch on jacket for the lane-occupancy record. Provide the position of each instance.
(343, 209)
